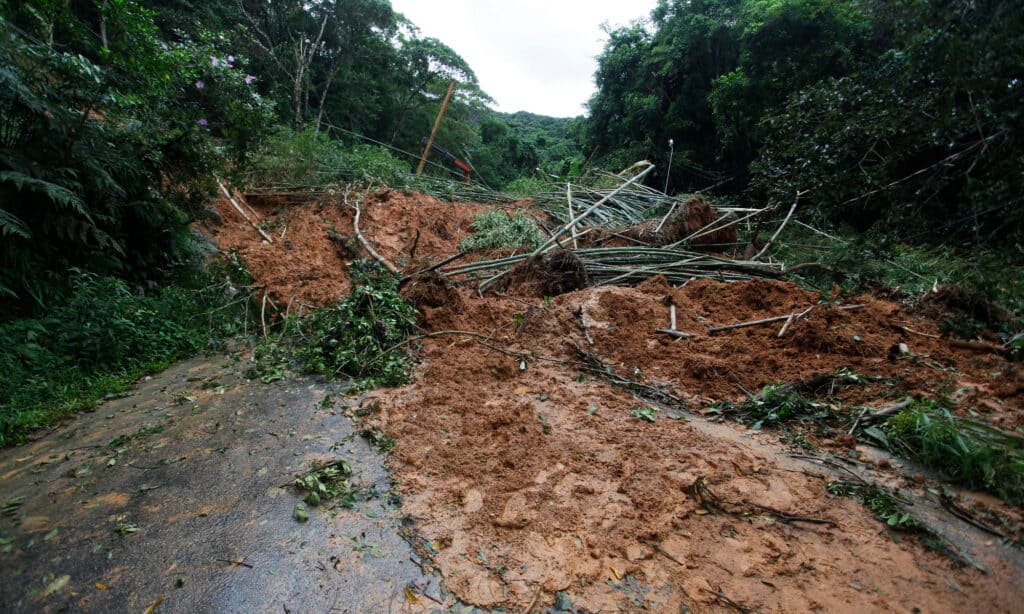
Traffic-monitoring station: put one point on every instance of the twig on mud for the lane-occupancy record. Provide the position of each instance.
(593, 363)
(830, 463)
(951, 507)
(235, 563)
(432, 267)
(536, 596)
(362, 240)
(720, 595)
(526, 319)
(788, 518)
(668, 556)
(244, 215)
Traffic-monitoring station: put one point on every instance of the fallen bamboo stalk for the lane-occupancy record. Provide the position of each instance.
(244, 215)
(794, 315)
(568, 198)
(366, 244)
(778, 231)
(590, 210)
(672, 316)
(675, 333)
(785, 327)
(671, 210)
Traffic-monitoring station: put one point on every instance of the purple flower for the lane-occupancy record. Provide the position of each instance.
(213, 61)
(249, 79)
(203, 122)
(231, 59)
(200, 85)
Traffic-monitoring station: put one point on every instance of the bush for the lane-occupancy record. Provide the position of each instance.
(306, 160)
(495, 229)
(103, 337)
(361, 335)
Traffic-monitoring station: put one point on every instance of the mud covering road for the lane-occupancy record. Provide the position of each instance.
(177, 496)
(534, 484)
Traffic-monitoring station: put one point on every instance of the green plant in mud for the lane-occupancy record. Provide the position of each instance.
(495, 229)
(362, 335)
(776, 405)
(647, 414)
(964, 451)
(878, 500)
(380, 442)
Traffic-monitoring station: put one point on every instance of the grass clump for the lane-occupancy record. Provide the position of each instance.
(362, 335)
(495, 229)
(964, 451)
(105, 336)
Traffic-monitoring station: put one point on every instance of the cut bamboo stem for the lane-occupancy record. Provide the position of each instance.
(672, 317)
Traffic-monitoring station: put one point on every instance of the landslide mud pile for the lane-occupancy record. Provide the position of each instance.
(532, 480)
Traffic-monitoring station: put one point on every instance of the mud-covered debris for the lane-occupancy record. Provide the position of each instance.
(549, 274)
(695, 214)
(431, 289)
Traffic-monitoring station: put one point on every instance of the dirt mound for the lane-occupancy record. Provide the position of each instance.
(314, 240)
(549, 274)
(688, 218)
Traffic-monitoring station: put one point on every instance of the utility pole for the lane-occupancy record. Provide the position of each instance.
(437, 124)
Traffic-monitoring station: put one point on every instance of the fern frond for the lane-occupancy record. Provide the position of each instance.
(58, 194)
(10, 224)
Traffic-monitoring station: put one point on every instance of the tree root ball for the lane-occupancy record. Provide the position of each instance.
(696, 213)
(549, 274)
(433, 290)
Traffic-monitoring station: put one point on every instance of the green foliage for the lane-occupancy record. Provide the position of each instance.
(105, 144)
(103, 337)
(329, 481)
(381, 443)
(555, 140)
(362, 335)
(647, 414)
(964, 451)
(496, 229)
(290, 160)
(922, 143)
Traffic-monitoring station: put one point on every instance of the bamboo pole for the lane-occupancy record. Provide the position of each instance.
(245, 216)
(437, 124)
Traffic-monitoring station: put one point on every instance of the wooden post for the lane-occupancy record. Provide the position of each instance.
(437, 124)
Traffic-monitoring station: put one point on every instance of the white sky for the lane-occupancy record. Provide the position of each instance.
(529, 55)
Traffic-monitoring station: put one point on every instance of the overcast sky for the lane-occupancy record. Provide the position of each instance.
(529, 55)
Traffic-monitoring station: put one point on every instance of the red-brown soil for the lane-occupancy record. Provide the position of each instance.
(526, 475)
